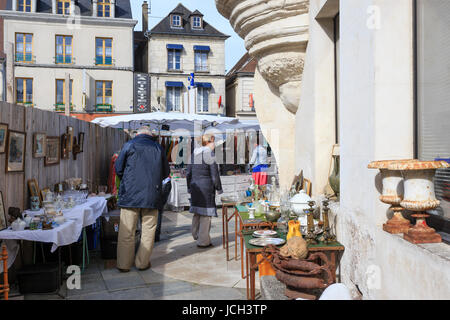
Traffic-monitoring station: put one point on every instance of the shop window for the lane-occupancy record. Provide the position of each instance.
(433, 96)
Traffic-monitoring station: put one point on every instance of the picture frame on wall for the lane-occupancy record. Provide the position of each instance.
(15, 155)
(70, 138)
(3, 137)
(65, 146)
(81, 141)
(39, 145)
(3, 220)
(53, 152)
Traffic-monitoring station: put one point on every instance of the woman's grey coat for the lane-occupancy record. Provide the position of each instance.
(203, 180)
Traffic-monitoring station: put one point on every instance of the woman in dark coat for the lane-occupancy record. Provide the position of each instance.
(203, 180)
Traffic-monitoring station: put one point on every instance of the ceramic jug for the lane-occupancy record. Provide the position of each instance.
(294, 229)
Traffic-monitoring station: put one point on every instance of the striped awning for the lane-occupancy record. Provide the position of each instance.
(175, 46)
(202, 48)
(178, 84)
(203, 85)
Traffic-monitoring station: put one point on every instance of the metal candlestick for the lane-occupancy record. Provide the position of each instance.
(327, 234)
(310, 237)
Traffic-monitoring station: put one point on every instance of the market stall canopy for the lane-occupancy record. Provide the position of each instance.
(174, 123)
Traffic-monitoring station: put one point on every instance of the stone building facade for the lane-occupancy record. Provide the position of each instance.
(369, 79)
(90, 43)
(240, 89)
(177, 50)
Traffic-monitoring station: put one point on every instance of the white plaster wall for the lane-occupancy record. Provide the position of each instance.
(315, 118)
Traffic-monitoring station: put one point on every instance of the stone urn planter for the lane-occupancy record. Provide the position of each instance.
(419, 196)
(392, 194)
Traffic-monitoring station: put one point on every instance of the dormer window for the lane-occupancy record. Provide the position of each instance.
(197, 22)
(176, 21)
(104, 8)
(24, 5)
(63, 7)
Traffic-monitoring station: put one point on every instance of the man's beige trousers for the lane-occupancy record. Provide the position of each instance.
(127, 232)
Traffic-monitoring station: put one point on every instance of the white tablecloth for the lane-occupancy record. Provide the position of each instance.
(76, 218)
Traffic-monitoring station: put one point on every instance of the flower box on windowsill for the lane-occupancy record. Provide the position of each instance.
(104, 108)
(61, 107)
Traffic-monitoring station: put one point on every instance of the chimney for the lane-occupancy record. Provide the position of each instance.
(144, 16)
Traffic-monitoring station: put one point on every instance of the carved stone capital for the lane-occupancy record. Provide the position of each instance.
(276, 34)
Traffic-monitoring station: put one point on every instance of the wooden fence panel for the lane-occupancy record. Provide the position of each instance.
(92, 165)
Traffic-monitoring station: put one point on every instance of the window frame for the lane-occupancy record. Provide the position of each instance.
(104, 96)
(174, 90)
(25, 5)
(104, 51)
(205, 67)
(64, 49)
(64, 92)
(65, 10)
(101, 5)
(174, 52)
(172, 20)
(24, 53)
(200, 20)
(24, 86)
(202, 108)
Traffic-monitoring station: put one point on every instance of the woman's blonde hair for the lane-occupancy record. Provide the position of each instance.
(207, 138)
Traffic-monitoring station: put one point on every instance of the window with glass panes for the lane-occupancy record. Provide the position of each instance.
(103, 92)
(63, 7)
(61, 91)
(202, 99)
(201, 61)
(24, 5)
(174, 59)
(24, 90)
(173, 99)
(103, 51)
(433, 96)
(24, 47)
(63, 49)
(196, 22)
(104, 8)
(176, 21)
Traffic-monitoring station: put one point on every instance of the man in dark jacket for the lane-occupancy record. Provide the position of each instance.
(141, 166)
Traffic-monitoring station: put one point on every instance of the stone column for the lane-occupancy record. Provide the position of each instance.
(94, 8)
(54, 8)
(276, 34)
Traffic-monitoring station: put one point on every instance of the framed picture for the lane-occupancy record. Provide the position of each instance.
(81, 141)
(53, 151)
(65, 146)
(44, 192)
(39, 145)
(3, 136)
(70, 142)
(3, 220)
(33, 187)
(15, 156)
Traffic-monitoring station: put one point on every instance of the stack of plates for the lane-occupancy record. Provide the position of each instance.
(264, 234)
(262, 242)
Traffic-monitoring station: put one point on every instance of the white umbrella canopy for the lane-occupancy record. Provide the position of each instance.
(175, 121)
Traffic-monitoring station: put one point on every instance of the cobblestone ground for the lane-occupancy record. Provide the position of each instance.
(180, 270)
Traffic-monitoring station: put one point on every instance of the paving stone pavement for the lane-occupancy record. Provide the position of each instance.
(180, 270)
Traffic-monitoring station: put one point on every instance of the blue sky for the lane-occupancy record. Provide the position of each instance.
(234, 46)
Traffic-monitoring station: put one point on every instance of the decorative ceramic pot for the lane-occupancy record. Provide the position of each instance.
(419, 196)
(299, 202)
(392, 194)
(334, 178)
